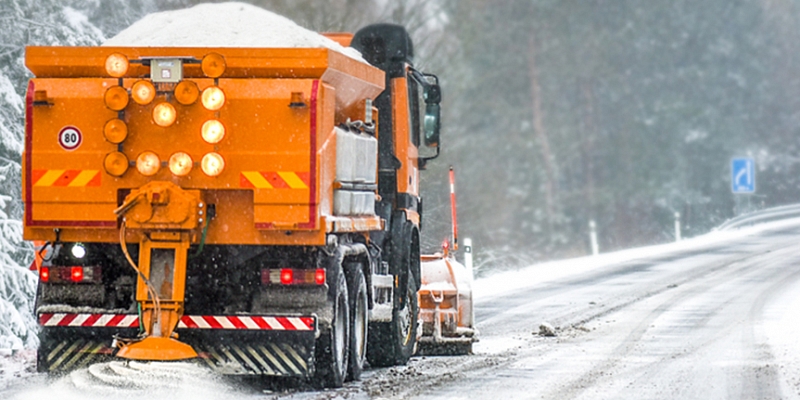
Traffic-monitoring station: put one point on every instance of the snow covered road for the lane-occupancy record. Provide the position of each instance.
(713, 318)
(714, 322)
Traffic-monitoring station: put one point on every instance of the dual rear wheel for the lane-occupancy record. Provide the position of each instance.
(359, 320)
(341, 349)
(331, 349)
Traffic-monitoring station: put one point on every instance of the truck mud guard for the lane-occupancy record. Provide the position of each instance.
(227, 344)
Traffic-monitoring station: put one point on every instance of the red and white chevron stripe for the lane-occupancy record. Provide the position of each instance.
(247, 322)
(90, 320)
(187, 321)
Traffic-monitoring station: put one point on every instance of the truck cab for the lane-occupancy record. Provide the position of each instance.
(408, 108)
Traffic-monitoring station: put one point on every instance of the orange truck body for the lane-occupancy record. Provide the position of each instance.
(277, 158)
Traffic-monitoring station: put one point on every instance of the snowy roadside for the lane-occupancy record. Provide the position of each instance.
(15, 365)
(503, 283)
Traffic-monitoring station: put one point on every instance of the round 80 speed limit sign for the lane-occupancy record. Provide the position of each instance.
(70, 138)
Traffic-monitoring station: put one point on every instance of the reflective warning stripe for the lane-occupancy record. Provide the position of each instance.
(84, 177)
(274, 324)
(62, 177)
(49, 177)
(292, 180)
(248, 322)
(238, 322)
(274, 180)
(67, 355)
(277, 359)
(256, 180)
(89, 320)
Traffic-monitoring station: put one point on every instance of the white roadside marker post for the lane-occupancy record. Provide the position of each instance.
(593, 237)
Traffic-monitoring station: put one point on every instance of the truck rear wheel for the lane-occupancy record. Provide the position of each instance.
(406, 324)
(393, 343)
(359, 319)
(332, 347)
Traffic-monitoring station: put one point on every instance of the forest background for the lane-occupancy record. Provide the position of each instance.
(555, 113)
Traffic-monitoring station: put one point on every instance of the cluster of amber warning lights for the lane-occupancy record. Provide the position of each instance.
(143, 92)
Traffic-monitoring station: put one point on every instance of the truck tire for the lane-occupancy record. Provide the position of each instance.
(331, 348)
(359, 319)
(406, 324)
(393, 343)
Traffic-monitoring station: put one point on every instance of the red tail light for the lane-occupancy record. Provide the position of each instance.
(76, 274)
(44, 274)
(287, 276)
(319, 277)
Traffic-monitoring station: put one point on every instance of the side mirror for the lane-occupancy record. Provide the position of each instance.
(431, 124)
(433, 96)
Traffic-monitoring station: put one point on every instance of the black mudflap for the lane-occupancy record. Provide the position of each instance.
(63, 349)
(229, 352)
(240, 352)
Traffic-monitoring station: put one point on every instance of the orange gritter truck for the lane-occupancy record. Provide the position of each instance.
(256, 209)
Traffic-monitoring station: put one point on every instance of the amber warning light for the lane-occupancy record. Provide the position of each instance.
(213, 65)
(117, 65)
(213, 131)
(212, 164)
(180, 164)
(164, 114)
(148, 163)
(213, 98)
(143, 92)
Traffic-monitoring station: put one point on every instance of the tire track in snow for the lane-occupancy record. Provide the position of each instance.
(691, 288)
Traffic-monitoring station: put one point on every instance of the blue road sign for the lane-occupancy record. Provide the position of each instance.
(743, 175)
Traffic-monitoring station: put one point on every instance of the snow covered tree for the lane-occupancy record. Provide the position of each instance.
(25, 22)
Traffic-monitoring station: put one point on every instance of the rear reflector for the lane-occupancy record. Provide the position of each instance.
(289, 276)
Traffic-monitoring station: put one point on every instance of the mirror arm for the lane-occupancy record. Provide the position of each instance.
(423, 161)
(419, 77)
